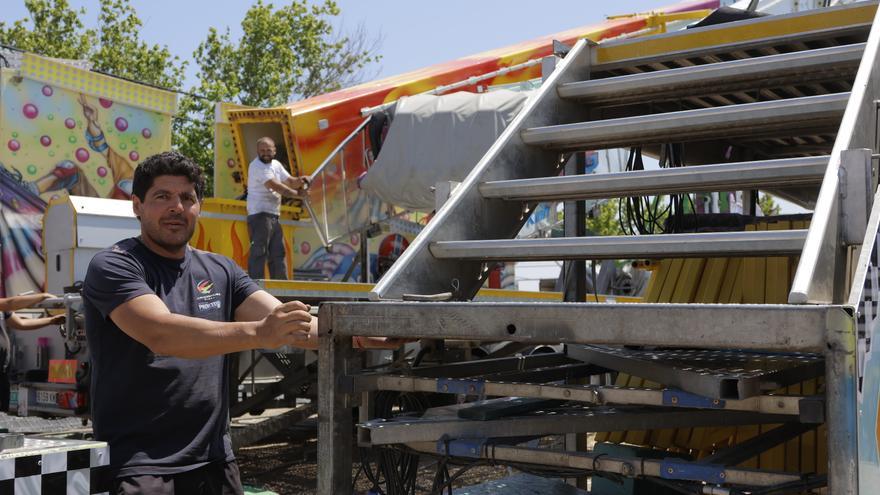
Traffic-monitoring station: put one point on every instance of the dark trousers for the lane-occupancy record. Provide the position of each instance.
(217, 478)
(267, 244)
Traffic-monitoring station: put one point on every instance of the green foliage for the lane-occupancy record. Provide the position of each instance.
(285, 52)
(604, 220)
(768, 205)
(121, 52)
(55, 29)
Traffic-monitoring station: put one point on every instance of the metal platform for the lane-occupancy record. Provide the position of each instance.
(719, 374)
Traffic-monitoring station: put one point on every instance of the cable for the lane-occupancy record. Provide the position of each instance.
(396, 469)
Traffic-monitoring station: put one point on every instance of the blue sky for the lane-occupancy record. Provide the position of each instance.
(415, 33)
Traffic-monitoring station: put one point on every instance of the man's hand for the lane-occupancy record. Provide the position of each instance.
(298, 183)
(287, 324)
(57, 320)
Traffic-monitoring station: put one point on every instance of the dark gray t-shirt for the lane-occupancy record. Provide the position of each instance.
(160, 414)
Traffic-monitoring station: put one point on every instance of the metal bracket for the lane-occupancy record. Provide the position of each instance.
(560, 49)
(855, 194)
(461, 386)
(680, 398)
(463, 447)
(676, 469)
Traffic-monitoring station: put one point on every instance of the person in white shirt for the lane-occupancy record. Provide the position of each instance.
(267, 182)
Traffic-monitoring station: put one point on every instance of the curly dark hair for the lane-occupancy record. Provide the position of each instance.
(166, 163)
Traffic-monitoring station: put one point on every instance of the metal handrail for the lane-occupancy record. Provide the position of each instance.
(821, 261)
(321, 223)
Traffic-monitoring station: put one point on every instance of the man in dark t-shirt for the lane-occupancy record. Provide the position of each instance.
(160, 317)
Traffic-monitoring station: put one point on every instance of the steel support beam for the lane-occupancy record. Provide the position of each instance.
(841, 404)
(335, 425)
(586, 420)
(760, 327)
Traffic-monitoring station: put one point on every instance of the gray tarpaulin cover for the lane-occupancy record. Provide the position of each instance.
(436, 139)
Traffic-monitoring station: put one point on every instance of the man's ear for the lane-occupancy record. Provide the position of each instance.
(136, 206)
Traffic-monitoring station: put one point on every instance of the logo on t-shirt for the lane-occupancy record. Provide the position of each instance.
(208, 299)
(205, 286)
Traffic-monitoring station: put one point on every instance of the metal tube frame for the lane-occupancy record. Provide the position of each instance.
(830, 329)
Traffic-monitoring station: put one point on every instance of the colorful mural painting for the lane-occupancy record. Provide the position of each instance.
(62, 131)
(66, 130)
(21, 257)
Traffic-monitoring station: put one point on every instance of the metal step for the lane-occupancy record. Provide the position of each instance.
(790, 117)
(718, 177)
(825, 64)
(698, 245)
(784, 33)
(719, 374)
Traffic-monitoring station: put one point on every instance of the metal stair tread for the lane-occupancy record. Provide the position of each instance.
(808, 114)
(787, 172)
(830, 63)
(702, 244)
(715, 373)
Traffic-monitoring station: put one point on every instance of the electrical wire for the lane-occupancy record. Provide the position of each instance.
(648, 215)
(396, 469)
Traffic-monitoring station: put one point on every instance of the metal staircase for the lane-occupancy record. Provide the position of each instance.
(783, 103)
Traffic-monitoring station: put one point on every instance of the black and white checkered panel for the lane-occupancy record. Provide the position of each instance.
(82, 471)
(867, 314)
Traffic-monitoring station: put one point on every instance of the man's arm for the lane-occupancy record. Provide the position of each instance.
(18, 323)
(282, 189)
(20, 302)
(261, 302)
(146, 319)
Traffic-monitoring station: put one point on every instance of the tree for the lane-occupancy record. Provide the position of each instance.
(604, 221)
(55, 29)
(768, 206)
(120, 51)
(283, 53)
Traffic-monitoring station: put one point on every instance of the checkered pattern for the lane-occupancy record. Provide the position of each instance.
(81, 471)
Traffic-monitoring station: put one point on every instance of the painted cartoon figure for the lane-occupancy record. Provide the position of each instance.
(67, 175)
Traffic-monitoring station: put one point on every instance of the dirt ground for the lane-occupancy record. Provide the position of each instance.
(286, 464)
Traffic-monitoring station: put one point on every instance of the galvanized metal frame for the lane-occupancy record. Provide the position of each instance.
(759, 327)
(785, 328)
(817, 279)
(467, 215)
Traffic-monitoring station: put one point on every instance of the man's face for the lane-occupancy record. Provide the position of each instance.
(266, 152)
(168, 214)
